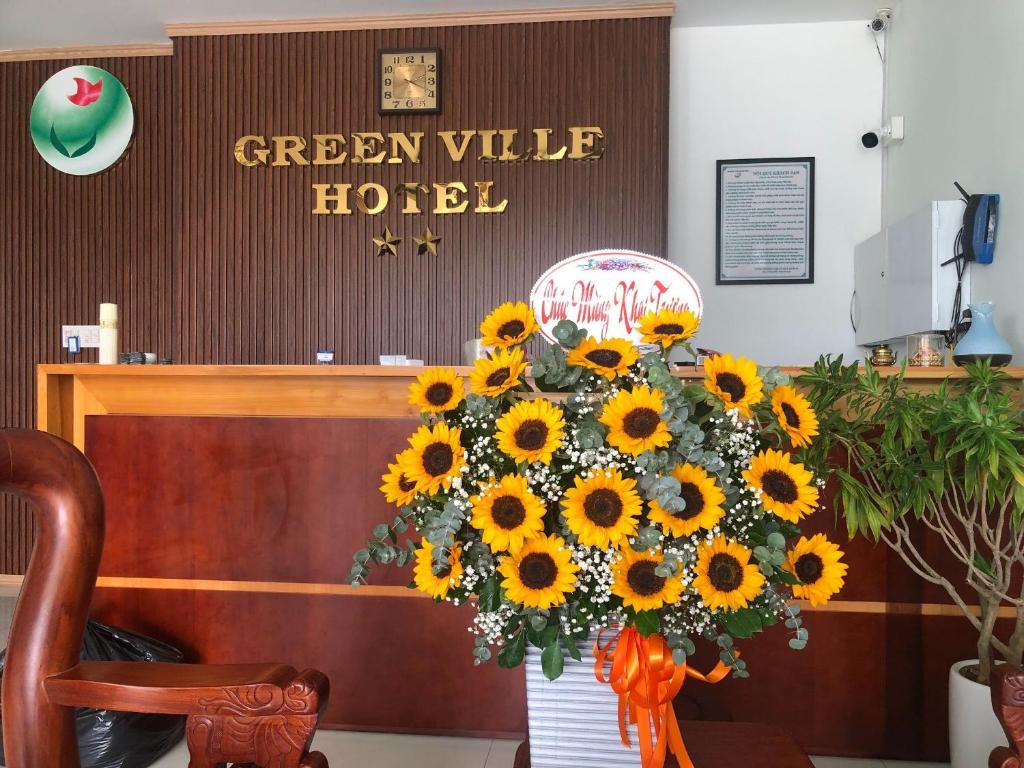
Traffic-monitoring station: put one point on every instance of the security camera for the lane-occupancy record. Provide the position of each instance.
(881, 21)
(890, 133)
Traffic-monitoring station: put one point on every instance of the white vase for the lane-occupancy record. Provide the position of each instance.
(574, 720)
(974, 730)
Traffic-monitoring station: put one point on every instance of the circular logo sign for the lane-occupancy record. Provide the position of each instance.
(607, 292)
(82, 120)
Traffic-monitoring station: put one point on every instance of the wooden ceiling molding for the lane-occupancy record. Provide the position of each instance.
(425, 20)
(89, 52)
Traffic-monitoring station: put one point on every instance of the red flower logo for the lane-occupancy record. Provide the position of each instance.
(87, 92)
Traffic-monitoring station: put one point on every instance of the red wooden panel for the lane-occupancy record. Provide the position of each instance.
(395, 664)
(247, 499)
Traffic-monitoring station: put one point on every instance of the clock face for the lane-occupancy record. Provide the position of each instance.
(409, 80)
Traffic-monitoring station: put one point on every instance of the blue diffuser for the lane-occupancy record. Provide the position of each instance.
(982, 341)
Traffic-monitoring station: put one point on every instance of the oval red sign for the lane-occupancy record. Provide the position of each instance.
(608, 291)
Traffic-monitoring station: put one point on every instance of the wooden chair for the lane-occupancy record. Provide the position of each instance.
(261, 715)
(1008, 703)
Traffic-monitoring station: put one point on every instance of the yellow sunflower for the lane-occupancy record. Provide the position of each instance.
(634, 421)
(609, 358)
(603, 509)
(492, 376)
(704, 500)
(436, 457)
(531, 431)
(795, 415)
(508, 325)
(733, 381)
(815, 562)
(724, 576)
(668, 327)
(539, 574)
(436, 390)
(639, 586)
(397, 488)
(787, 489)
(508, 514)
(437, 585)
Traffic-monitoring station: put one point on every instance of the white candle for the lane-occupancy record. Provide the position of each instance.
(108, 334)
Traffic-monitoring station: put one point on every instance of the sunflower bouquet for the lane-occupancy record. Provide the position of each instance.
(596, 491)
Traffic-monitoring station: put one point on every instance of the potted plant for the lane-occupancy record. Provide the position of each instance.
(950, 461)
(599, 507)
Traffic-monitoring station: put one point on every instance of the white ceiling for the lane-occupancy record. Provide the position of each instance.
(73, 23)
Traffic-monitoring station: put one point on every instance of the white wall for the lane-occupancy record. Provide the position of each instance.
(780, 90)
(955, 73)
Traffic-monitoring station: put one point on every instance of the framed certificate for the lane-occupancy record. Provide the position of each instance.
(765, 221)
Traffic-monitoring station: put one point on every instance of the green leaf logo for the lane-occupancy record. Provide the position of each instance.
(82, 120)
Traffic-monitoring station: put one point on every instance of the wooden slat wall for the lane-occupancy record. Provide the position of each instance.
(212, 262)
(68, 243)
(262, 280)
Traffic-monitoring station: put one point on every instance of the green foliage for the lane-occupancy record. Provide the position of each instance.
(551, 661)
(896, 451)
(647, 623)
(513, 653)
(744, 623)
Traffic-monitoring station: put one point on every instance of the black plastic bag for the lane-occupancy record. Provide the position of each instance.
(122, 739)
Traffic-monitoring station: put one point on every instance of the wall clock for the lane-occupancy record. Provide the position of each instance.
(408, 80)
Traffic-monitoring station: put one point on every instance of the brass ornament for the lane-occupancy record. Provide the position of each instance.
(387, 243)
(427, 242)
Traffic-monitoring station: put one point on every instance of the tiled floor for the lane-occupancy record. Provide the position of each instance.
(393, 751)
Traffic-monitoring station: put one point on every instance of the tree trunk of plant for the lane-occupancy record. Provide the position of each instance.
(1016, 644)
(989, 613)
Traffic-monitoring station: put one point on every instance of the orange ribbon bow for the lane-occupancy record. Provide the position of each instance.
(647, 680)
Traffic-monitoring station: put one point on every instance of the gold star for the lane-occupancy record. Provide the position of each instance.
(427, 242)
(387, 243)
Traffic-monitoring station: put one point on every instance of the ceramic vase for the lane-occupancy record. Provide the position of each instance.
(974, 730)
(982, 341)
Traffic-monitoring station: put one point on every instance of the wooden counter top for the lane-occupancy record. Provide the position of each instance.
(401, 371)
(67, 393)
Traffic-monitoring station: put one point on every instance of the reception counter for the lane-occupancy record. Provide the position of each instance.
(236, 496)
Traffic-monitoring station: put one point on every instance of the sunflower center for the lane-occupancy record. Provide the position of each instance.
(779, 486)
(725, 572)
(669, 329)
(537, 570)
(511, 329)
(498, 377)
(603, 507)
(732, 385)
(606, 358)
(641, 423)
(438, 459)
(405, 484)
(792, 418)
(809, 568)
(508, 512)
(439, 393)
(531, 435)
(643, 580)
(694, 501)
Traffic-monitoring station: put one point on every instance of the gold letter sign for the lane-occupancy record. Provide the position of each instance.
(370, 148)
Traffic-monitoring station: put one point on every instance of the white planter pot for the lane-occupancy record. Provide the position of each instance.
(974, 730)
(574, 720)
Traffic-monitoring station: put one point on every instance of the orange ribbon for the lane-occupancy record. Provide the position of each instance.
(647, 680)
